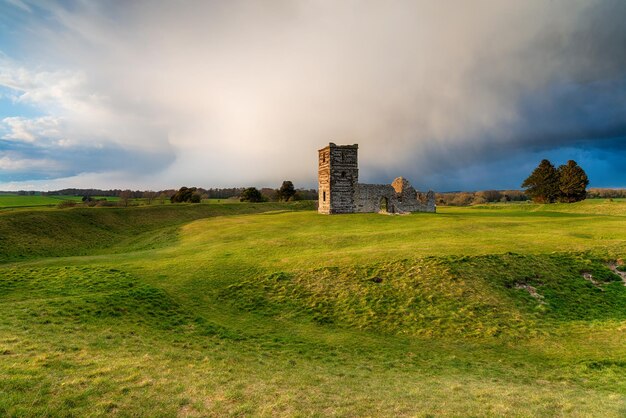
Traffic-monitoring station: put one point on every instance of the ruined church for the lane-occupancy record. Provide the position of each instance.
(341, 192)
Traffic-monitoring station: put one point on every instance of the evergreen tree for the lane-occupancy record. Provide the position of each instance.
(573, 182)
(543, 184)
(286, 191)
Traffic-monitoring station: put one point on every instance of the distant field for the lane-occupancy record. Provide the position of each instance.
(229, 200)
(17, 201)
(14, 200)
(274, 310)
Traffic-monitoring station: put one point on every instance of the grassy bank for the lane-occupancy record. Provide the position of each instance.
(79, 231)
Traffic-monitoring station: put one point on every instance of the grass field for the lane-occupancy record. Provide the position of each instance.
(13, 201)
(17, 201)
(272, 309)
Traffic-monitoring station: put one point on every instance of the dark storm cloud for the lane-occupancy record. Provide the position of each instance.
(32, 162)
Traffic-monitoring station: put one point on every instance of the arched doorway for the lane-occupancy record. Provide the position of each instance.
(384, 205)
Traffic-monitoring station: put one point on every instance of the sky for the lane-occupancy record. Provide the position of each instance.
(451, 95)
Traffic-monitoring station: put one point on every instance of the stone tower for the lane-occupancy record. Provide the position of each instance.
(338, 176)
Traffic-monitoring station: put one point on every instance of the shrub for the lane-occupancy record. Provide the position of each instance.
(66, 204)
(105, 203)
(251, 194)
(185, 194)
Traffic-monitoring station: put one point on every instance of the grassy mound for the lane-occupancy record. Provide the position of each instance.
(417, 297)
(81, 231)
(567, 287)
(498, 295)
(61, 296)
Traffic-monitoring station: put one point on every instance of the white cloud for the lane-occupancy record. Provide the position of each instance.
(40, 129)
(45, 89)
(26, 164)
(79, 113)
(108, 180)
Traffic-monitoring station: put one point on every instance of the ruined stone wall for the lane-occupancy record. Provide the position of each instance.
(340, 191)
(369, 198)
(410, 200)
(426, 202)
(385, 198)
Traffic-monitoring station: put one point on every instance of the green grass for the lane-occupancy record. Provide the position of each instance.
(14, 200)
(273, 310)
(80, 230)
(221, 201)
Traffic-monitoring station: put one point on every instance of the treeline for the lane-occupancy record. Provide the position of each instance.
(95, 192)
(212, 193)
(493, 196)
(275, 195)
(267, 194)
(138, 194)
(597, 193)
(478, 198)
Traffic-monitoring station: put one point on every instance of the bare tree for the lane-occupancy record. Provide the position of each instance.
(125, 196)
(149, 196)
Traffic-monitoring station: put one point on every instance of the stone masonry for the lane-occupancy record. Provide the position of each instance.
(341, 192)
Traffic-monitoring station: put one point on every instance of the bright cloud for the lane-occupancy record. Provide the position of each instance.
(52, 90)
(20, 165)
(30, 130)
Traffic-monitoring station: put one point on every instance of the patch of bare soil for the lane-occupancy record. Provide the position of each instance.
(613, 267)
(589, 277)
(532, 291)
